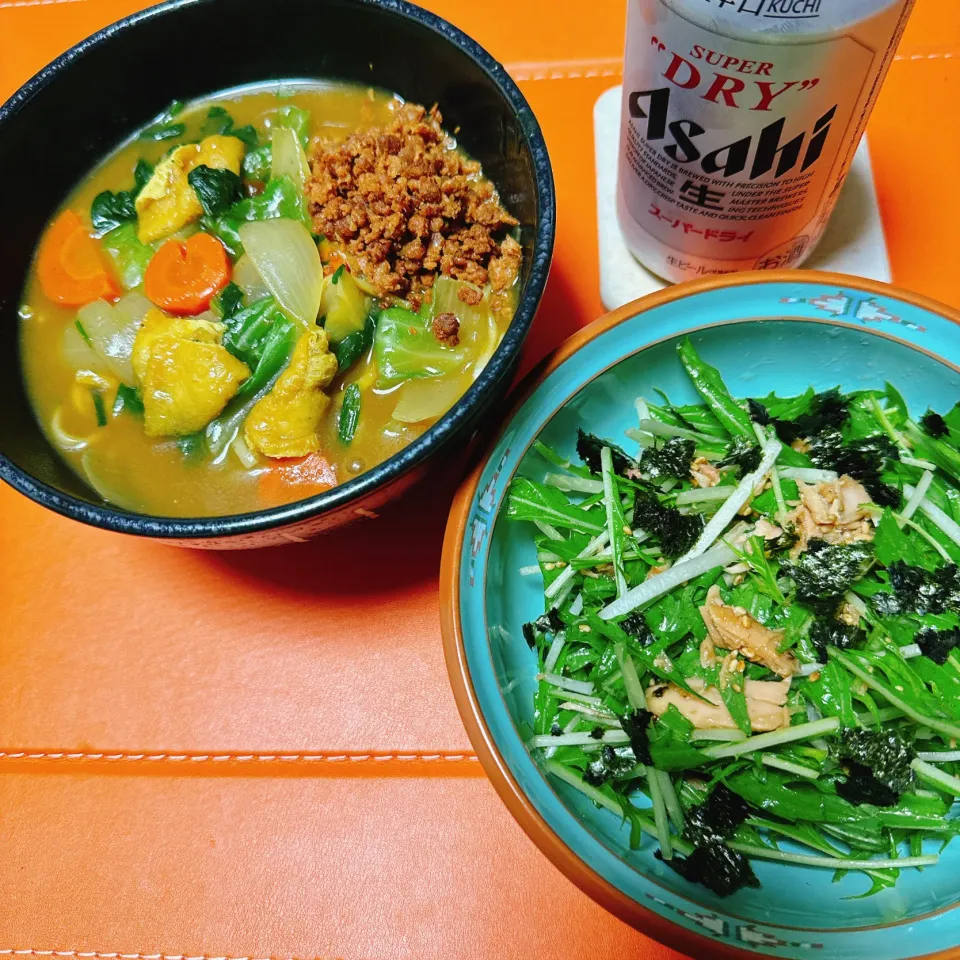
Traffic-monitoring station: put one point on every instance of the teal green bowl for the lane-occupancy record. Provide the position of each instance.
(766, 332)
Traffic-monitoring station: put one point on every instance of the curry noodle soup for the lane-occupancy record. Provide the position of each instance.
(262, 295)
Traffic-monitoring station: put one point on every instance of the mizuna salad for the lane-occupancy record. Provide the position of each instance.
(749, 649)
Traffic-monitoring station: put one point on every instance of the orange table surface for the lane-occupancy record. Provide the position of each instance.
(258, 755)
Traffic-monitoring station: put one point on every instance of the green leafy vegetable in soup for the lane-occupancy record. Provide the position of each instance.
(767, 639)
(406, 349)
(200, 337)
(217, 190)
(164, 127)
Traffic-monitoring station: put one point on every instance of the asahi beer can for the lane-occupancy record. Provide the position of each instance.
(740, 121)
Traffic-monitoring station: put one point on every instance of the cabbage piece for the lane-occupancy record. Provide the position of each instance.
(129, 256)
(280, 198)
(257, 162)
(446, 299)
(479, 334)
(293, 117)
(406, 349)
(421, 400)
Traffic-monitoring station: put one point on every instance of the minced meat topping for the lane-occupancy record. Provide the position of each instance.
(446, 328)
(402, 203)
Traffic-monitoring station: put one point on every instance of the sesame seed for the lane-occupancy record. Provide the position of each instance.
(584, 628)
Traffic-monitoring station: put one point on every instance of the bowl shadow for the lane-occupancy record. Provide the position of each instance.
(397, 548)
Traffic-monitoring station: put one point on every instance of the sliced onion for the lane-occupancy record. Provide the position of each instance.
(288, 261)
(289, 160)
(111, 333)
(426, 399)
(248, 279)
(78, 354)
(135, 306)
(246, 456)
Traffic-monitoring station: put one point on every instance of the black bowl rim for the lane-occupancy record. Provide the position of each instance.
(357, 489)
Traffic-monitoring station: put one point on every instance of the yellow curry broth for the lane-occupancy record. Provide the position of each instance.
(153, 475)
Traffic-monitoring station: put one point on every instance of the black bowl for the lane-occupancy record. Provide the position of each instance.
(63, 121)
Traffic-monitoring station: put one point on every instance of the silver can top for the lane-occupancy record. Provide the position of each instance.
(790, 18)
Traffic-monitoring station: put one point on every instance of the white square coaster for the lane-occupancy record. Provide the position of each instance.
(853, 243)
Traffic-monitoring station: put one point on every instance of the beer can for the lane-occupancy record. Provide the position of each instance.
(740, 120)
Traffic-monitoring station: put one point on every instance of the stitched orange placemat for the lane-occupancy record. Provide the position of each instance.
(257, 755)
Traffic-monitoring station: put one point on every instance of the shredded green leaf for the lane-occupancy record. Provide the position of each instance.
(800, 726)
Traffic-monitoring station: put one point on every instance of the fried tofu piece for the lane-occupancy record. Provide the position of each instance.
(157, 324)
(284, 423)
(220, 153)
(185, 376)
(168, 202)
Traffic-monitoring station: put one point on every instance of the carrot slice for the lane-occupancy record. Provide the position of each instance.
(70, 266)
(183, 277)
(288, 480)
